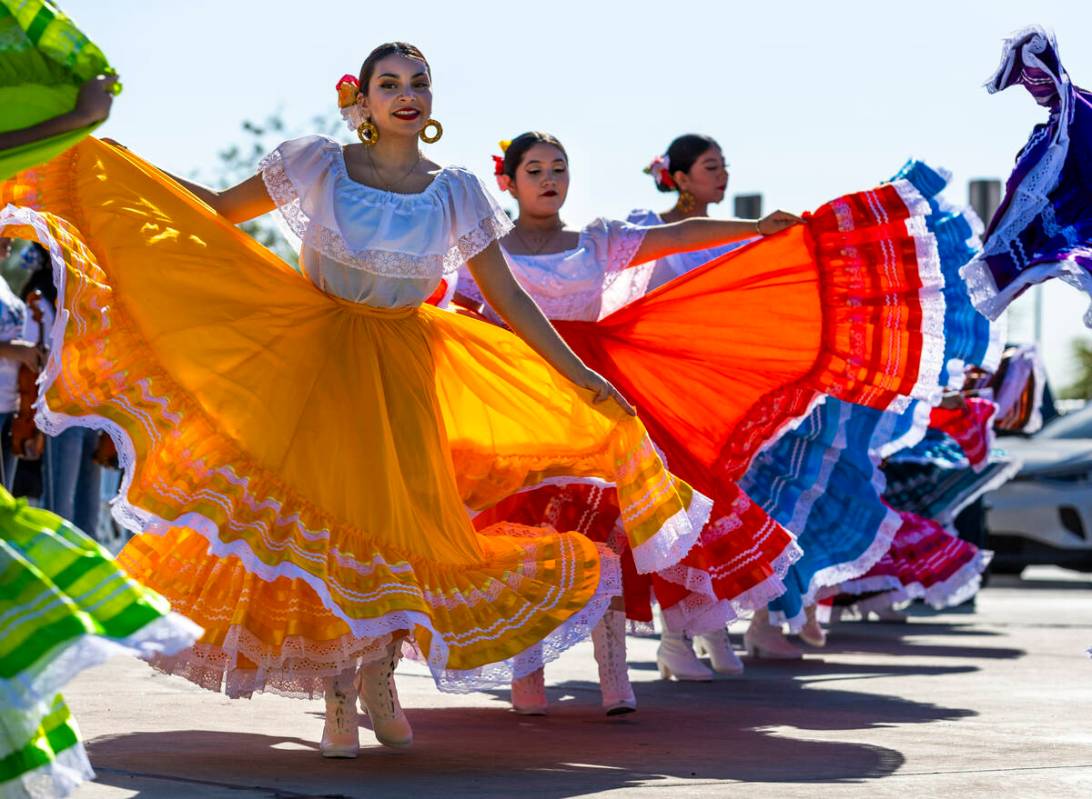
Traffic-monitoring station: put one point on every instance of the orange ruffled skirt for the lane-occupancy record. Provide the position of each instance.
(301, 467)
(722, 359)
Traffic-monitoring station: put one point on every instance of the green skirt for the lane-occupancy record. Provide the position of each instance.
(64, 606)
(40, 752)
(44, 59)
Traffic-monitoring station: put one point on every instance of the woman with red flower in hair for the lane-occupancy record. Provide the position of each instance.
(301, 448)
(718, 362)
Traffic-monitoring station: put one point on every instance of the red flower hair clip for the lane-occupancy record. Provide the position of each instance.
(503, 180)
(660, 169)
(348, 87)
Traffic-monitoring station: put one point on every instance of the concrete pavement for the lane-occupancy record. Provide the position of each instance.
(950, 705)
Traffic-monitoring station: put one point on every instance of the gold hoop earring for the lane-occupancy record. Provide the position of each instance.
(435, 137)
(367, 132)
(686, 202)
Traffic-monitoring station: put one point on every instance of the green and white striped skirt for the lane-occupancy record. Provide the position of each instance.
(64, 606)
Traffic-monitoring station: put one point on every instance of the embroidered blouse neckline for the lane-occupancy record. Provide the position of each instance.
(579, 246)
(343, 167)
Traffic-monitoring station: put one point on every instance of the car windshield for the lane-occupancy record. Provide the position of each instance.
(1077, 424)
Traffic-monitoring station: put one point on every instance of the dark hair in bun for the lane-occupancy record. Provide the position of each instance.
(683, 153)
(513, 156)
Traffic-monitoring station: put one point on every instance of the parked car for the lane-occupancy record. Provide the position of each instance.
(1044, 514)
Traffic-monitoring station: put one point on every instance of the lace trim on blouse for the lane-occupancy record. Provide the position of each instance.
(385, 263)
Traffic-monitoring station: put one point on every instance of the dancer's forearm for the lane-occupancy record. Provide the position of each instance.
(702, 233)
(521, 312)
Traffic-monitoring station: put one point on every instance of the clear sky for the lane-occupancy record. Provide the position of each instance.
(808, 99)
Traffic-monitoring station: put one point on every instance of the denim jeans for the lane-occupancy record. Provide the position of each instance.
(73, 481)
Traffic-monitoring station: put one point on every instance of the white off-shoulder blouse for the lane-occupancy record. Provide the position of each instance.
(377, 247)
(585, 283)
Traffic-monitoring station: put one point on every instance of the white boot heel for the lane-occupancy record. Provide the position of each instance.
(609, 643)
(718, 648)
(766, 642)
(379, 696)
(676, 659)
(341, 732)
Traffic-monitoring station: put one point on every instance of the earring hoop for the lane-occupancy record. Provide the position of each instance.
(433, 137)
(686, 202)
(367, 132)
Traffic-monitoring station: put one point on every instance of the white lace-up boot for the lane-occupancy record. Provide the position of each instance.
(609, 641)
(676, 659)
(718, 648)
(341, 732)
(379, 697)
(765, 641)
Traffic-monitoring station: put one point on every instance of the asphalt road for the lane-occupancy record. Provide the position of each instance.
(954, 705)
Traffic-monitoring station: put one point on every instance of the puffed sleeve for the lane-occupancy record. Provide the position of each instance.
(476, 218)
(614, 243)
(294, 175)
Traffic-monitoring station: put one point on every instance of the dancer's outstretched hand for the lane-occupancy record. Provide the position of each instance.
(604, 391)
(776, 222)
(95, 99)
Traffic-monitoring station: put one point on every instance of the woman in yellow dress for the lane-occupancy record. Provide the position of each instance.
(301, 451)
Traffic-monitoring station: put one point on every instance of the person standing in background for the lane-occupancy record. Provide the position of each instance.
(71, 479)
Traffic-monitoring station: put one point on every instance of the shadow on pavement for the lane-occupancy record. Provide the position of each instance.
(881, 639)
(816, 667)
(716, 731)
(1081, 583)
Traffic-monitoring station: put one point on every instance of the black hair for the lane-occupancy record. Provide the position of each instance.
(513, 156)
(683, 153)
(367, 69)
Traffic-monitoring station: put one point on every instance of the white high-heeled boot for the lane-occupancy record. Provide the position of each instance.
(609, 642)
(529, 694)
(765, 641)
(379, 698)
(675, 657)
(812, 633)
(718, 648)
(341, 732)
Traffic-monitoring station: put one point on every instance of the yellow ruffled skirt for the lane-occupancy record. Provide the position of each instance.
(301, 467)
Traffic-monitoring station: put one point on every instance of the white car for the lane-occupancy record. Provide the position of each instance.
(1044, 514)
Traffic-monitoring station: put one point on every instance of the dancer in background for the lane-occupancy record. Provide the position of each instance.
(1043, 227)
(824, 478)
(56, 86)
(721, 359)
(741, 555)
(64, 605)
(300, 449)
(71, 479)
(15, 352)
(692, 167)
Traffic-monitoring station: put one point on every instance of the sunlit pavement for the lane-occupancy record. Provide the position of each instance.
(995, 703)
